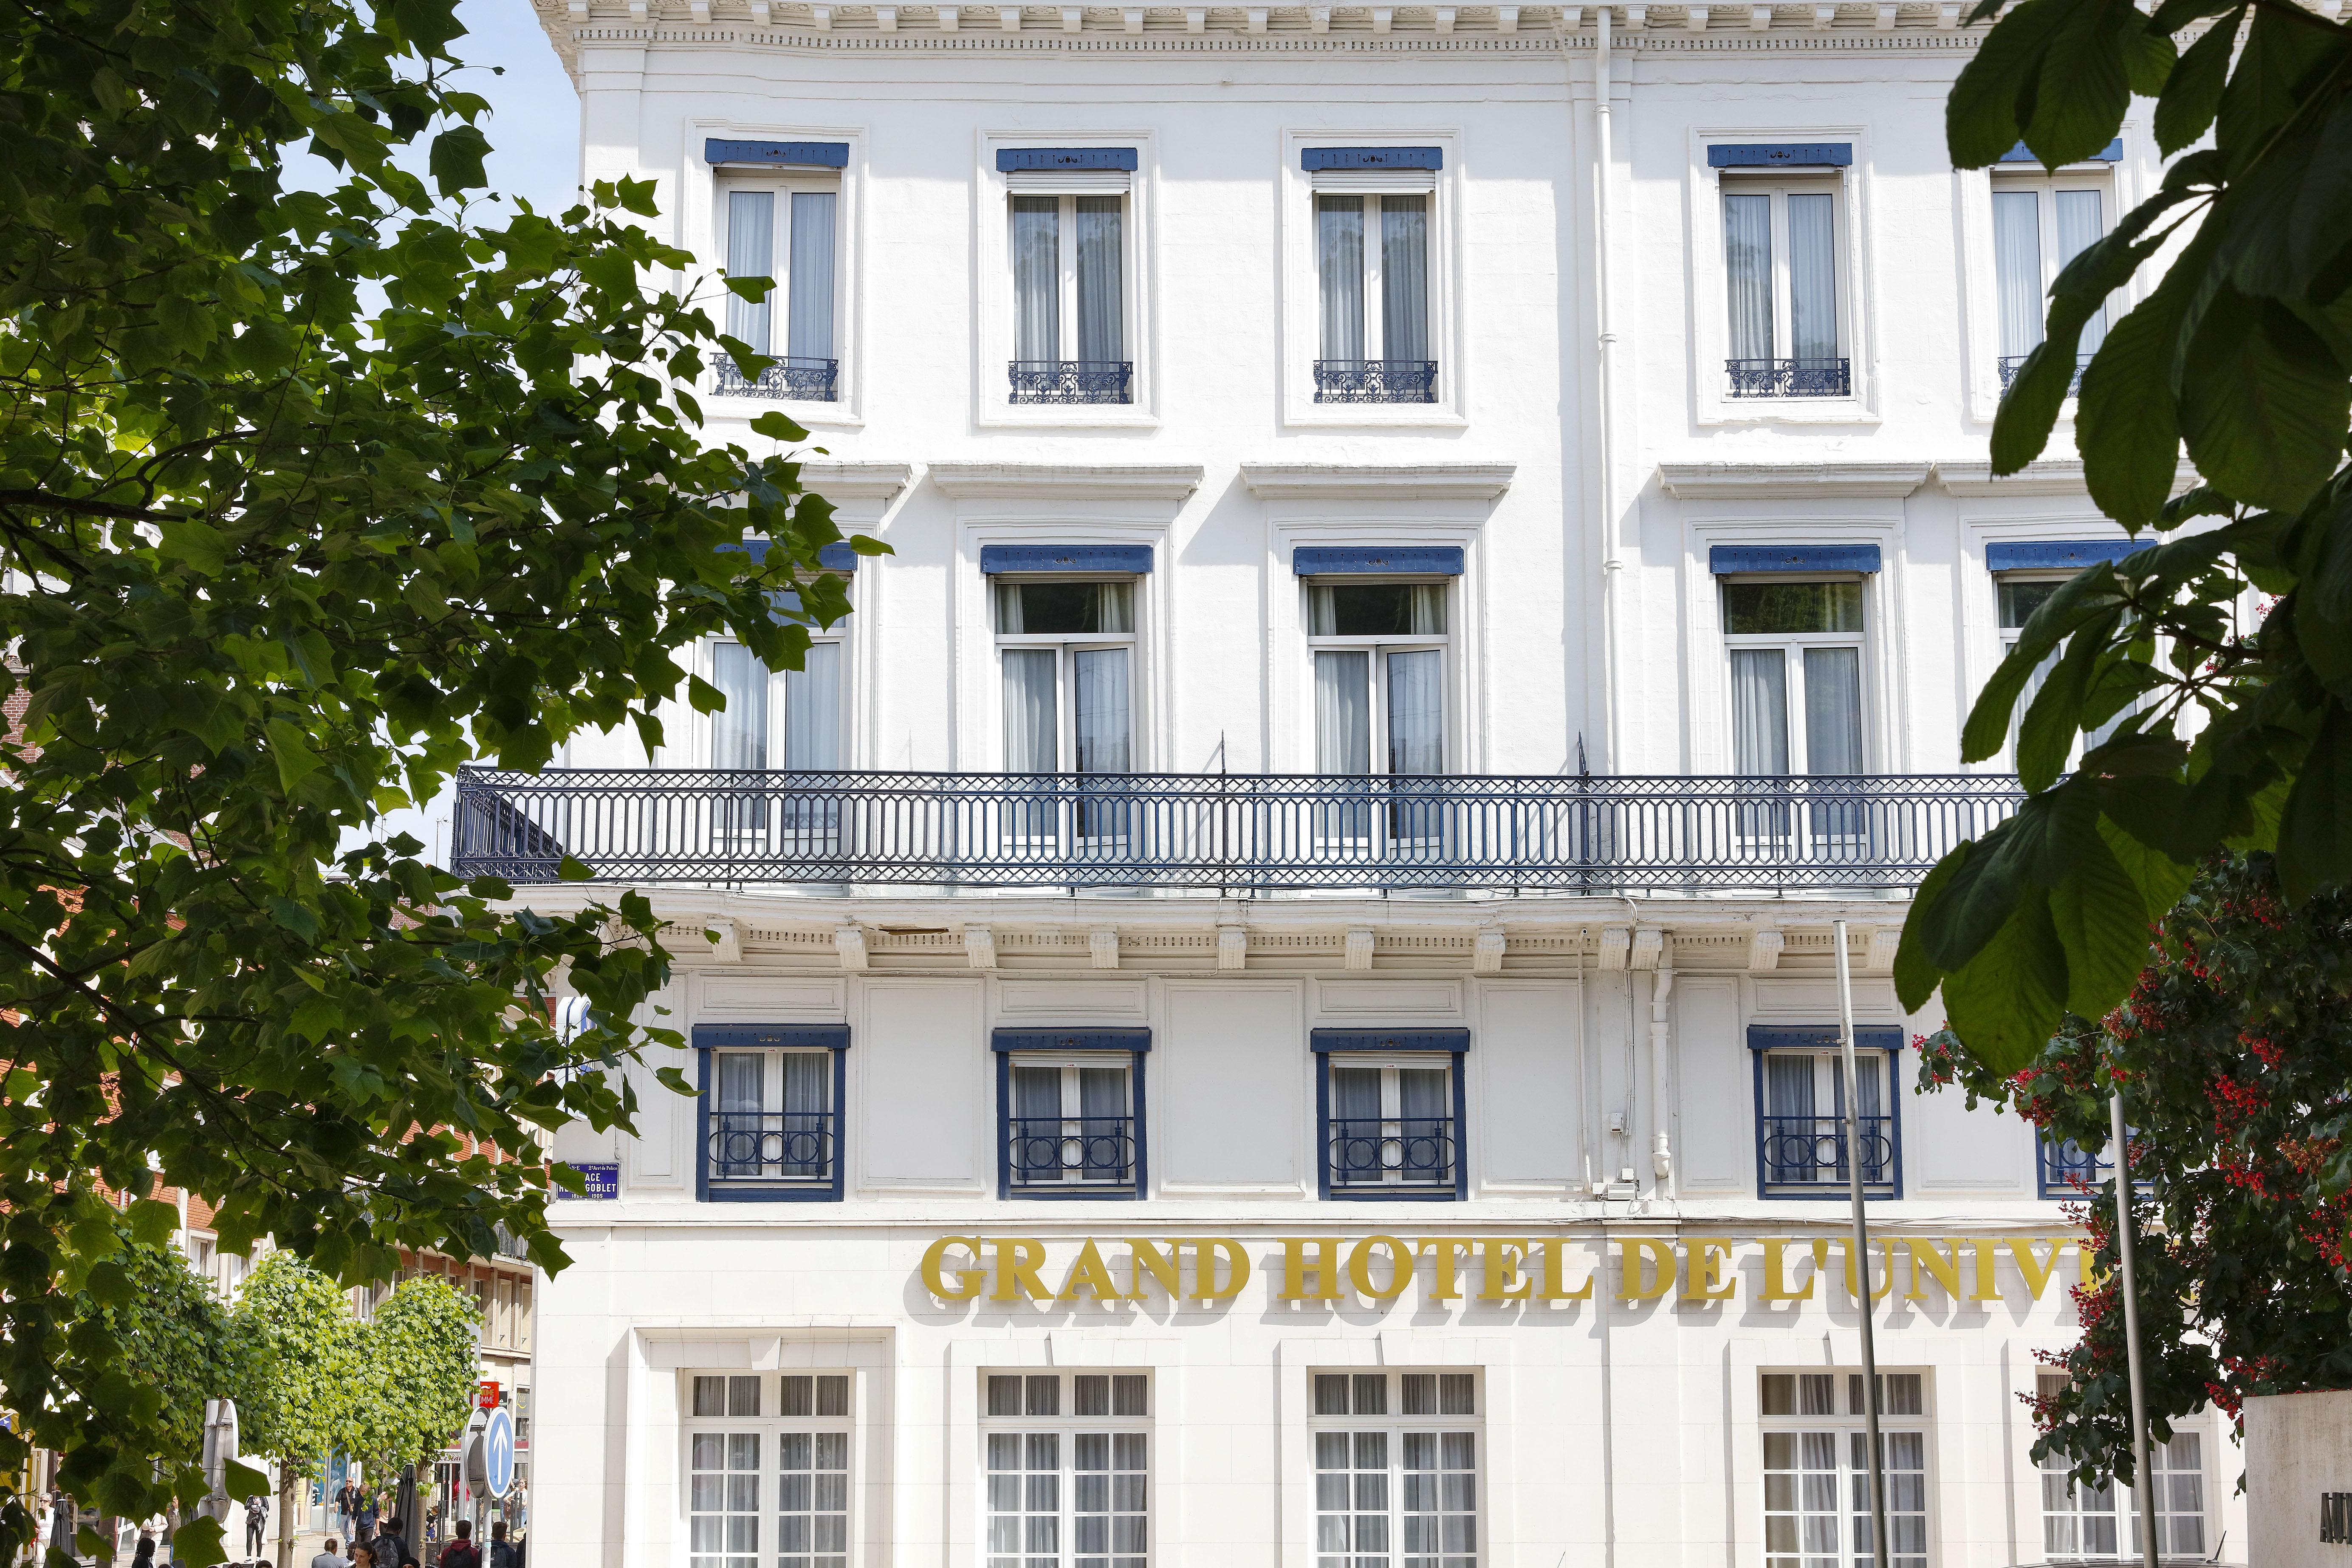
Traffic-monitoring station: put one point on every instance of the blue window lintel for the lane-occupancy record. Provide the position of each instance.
(1453, 1040)
(1780, 156)
(1127, 1039)
(1313, 159)
(1410, 560)
(798, 154)
(1725, 559)
(2058, 555)
(2112, 153)
(838, 556)
(1822, 1036)
(1016, 160)
(771, 1037)
(995, 559)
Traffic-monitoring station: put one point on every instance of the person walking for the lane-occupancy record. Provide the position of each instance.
(461, 1553)
(502, 1551)
(144, 1557)
(329, 1557)
(363, 1516)
(257, 1525)
(396, 1550)
(362, 1555)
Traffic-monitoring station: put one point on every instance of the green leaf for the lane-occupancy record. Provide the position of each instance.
(753, 289)
(572, 870)
(2007, 1001)
(776, 426)
(704, 697)
(2127, 425)
(2193, 92)
(1981, 118)
(2101, 917)
(2263, 404)
(290, 748)
(2159, 878)
(2084, 84)
(2090, 592)
(241, 1480)
(2046, 735)
(197, 543)
(1917, 975)
(457, 160)
(2314, 843)
(197, 1543)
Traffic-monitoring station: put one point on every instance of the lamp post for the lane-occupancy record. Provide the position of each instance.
(1861, 1277)
(2144, 1492)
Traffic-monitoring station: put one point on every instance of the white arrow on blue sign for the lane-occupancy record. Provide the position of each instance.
(498, 1452)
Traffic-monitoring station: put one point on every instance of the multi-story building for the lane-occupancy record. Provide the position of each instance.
(1271, 988)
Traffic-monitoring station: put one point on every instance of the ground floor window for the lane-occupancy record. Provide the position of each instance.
(1068, 1467)
(1396, 1469)
(2103, 1521)
(1817, 1470)
(767, 1471)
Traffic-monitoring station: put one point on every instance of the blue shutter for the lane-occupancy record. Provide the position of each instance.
(1000, 558)
(794, 154)
(1420, 560)
(1723, 559)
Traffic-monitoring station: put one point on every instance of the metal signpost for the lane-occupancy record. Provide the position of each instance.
(1860, 1275)
(2145, 1492)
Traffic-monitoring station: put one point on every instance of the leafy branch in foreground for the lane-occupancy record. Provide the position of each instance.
(2226, 737)
(273, 563)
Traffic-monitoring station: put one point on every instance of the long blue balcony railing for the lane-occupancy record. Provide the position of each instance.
(1245, 833)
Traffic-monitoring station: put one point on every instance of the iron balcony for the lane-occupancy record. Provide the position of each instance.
(1071, 381)
(1789, 377)
(1375, 381)
(807, 380)
(2011, 363)
(1243, 833)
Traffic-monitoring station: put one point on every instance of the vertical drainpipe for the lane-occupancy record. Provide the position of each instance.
(1612, 565)
(1662, 1158)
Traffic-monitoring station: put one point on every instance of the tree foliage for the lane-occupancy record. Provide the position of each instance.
(275, 564)
(145, 1334)
(2240, 351)
(2234, 1055)
(418, 1370)
(306, 1348)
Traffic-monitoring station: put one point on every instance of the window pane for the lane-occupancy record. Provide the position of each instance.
(1416, 711)
(750, 240)
(813, 708)
(2080, 226)
(1101, 329)
(2020, 600)
(1779, 1398)
(1751, 608)
(1812, 276)
(810, 332)
(1457, 1393)
(1354, 1092)
(1003, 1399)
(1340, 266)
(1031, 743)
(710, 1399)
(1089, 1395)
(1037, 277)
(1418, 1391)
(1748, 266)
(808, 1081)
(1037, 1093)
(2017, 269)
(1131, 1394)
(1404, 277)
(1330, 1390)
(1063, 609)
(738, 732)
(1378, 609)
(1759, 710)
(800, 1397)
(1834, 710)
(1343, 718)
(1100, 676)
(1045, 1399)
(742, 1396)
(739, 1077)
(1372, 1393)
(1421, 1093)
(832, 1398)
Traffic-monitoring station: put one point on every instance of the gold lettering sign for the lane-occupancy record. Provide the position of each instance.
(1704, 1269)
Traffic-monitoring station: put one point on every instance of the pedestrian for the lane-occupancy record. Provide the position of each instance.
(363, 1515)
(144, 1557)
(502, 1551)
(328, 1558)
(462, 1552)
(362, 1555)
(396, 1550)
(256, 1524)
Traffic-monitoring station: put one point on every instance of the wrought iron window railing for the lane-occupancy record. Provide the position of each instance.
(1248, 833)
(1063, 1152)
(2067, 1172)
(1369, 1151)
(1789, 377)
(770, 1148)
(810, 380)
(1072, 381)
(1805, 1156)
(2011, 363)
(1375, 381)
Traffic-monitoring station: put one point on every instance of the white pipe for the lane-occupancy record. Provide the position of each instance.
(1661, 1155)
(1612, 566)
(2143, 1487)
(1862, 1298)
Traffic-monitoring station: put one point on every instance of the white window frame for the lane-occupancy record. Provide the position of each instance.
(1829, 1110)
(1393, 1427)
(1066, 647)
(1379, 647)
(1067, 1426)
(1374, 299)
(1303, 285)
(1849, 1428)
(992, 320)
(1709, 279)
(707, 663)
(783, 186)
(1779, 188)
(2124, 1510)
(1073, 1116)
(1792, 646)
(2045, 187)
(1066, 235)
(771, 1427)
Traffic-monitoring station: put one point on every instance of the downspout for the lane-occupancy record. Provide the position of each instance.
(1612, 565)
(1662, 1158)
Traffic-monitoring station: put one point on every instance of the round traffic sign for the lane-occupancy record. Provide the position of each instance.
(498, 1452)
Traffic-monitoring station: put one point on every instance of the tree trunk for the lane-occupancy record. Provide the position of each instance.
(287, 1483)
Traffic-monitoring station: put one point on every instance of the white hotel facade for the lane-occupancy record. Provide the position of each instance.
(1271, 979)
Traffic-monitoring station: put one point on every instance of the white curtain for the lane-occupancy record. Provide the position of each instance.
(1037, 278)
(1339, 262)
(750, 253)
(1870, 1083)
(813, 709)
(1113, 607)
(739, 1076)
(1100, 677)
(1747, 265)
(738, 732)
(1833, 710)
(1029, 737)
(1008, 607)
(1101, 318)
(1428, 609)
(1354, 1093)
(2080, 227)
(1759, 710)
(1812, 276)
(1405, 277)
(1343, 716)
(808, 1080)
(2017, 269)
(1037, 1091)
(809, 331)
(1421, 1093)
(1416, 711)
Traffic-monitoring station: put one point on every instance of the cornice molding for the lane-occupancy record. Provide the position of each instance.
(2055, 477)
(1069, 481)
(1392, 481)
(1789, 481)
(840, 481)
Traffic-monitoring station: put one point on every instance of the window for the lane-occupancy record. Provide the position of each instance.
(1817, 1468)
(1396, 1469)
(785, 232)
(1781, 240)
(1068, 1458)
(1390, 1103)
(1069, 299)
(1380, 677)
(1796, 676)
(777, 720)
(1068, 651)
(1800, 1147)
(771, 1111)
(762, 1491)
(2020, 596)
(1071, 1104)
(2091, 1522)
(1371, 265)
(2039, 225)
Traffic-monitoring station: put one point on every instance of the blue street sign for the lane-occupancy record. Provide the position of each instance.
(498, 1452)
(603, 1183)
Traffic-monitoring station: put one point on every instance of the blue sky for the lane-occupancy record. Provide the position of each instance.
(534, 124)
